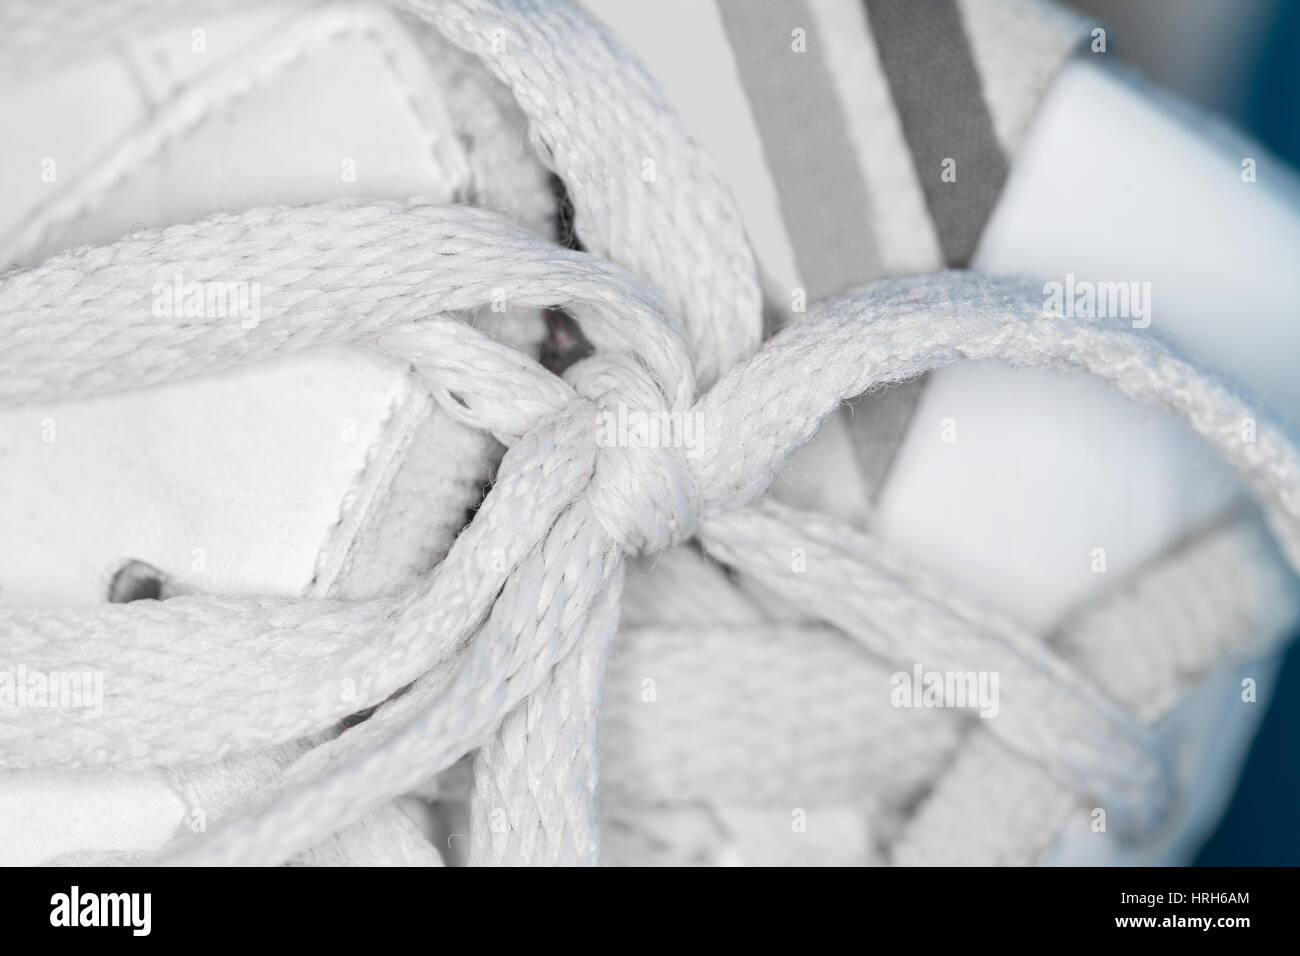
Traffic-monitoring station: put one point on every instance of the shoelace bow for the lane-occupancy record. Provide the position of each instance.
(503, 648)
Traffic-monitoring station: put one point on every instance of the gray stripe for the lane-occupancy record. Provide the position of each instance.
(824, 201)
(927, 60)
(877, 423)
(928, 64)
(813, 163)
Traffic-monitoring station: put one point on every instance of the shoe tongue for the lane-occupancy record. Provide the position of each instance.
(1034, 490)
(1048, 488)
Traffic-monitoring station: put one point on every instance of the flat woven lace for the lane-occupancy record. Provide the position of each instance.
(502, 650)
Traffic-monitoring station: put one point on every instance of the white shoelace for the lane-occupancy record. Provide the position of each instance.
(504, 647)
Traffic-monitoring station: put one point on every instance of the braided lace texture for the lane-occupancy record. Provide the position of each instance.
(502, 651)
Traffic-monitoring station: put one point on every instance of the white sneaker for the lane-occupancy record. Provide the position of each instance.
(754, 710)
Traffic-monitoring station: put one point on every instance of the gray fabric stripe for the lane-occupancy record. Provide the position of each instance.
(927, 61)
(926, 58)
(823, 199)
(877, 423)
(824, 202)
